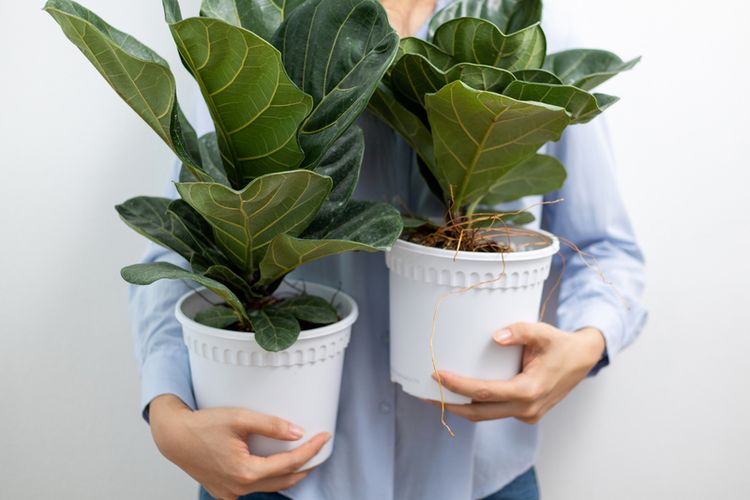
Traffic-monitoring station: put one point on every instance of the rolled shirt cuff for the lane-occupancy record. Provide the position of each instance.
(166, 373)
(608, 319)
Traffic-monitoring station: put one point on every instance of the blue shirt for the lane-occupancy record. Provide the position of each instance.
(388, 444)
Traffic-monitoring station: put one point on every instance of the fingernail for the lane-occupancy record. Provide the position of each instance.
(503, 335)
(296, 431)
(440, 375)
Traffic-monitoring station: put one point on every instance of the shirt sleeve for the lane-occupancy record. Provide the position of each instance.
(159, 347)
(601, 286)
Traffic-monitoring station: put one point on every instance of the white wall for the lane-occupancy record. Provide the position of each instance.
(670, 419)
(69, 418)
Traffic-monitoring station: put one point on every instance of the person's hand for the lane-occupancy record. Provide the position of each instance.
(554, 362)
(211, 446)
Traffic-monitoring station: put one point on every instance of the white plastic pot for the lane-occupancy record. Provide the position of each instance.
(420, 276)
(300, 384)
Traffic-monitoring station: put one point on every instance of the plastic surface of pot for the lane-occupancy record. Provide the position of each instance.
(300, 384)
(504, 289)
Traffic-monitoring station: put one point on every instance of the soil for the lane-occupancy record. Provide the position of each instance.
(457, 238)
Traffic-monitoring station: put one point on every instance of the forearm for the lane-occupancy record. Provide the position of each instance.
(159, 346)
(602, 267)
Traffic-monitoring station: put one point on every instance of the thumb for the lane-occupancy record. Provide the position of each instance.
(250, 422)
(519, 334)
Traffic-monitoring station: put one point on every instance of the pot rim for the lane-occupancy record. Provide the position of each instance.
(552, 248)
(322, 331)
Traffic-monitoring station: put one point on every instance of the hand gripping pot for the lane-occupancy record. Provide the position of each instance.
(300, 384)
(505, 288)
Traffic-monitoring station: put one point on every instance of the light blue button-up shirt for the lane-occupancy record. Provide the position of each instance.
(388, 444)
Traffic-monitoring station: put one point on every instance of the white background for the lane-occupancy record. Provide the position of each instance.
(669, 420)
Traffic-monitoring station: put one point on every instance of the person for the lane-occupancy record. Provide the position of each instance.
(390, 445)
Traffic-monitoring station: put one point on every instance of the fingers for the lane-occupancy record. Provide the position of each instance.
(484, 411)
(279, 483)
(523, 334)
(478, 412)
(250, 422)
(515, 389)
(289, 462)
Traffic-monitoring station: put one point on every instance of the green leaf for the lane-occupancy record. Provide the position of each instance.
(506, 219)
(508, 15)
(478, 41)
(479, 136)
(210, 159)
(361, 226)
(172, 11)
(336, 51)
(254, 105)
(587, 68)
(537, 76)
(145, 274)
(218, 316)
(171, 224)
(581, 105)
(540, 174)
(385, 106)
(275, 330)
(234, 281)
(432, 53)
(139, 75)
(262, 17)
(415, 222)
(518, 219)
(342, 164)
(413, 76)
(310, 309)
(246, 221)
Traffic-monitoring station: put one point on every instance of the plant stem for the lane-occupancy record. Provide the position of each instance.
(471, 209)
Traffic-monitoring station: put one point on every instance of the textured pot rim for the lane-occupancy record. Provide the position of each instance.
(346, 322)
(551, 249)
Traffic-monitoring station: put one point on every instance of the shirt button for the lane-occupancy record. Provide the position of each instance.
(385, 407)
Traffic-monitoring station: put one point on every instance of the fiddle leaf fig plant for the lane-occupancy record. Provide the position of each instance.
(479, 99)
(270, 188)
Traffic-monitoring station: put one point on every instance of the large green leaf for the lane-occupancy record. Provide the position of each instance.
(362, 225)
(581, 105)
(537, 76)
(413, 77)
(262, 17)
(587, 68)
(275, 330)
(309, 308)
(254, 105)
(336, 51)
(478, 41)
(386, 107)
(219, 316)
(246, 221)
(145, 274)
(342, 164)
(172, 224)
(479, 136)
(138, 74)
(540, 174)
(508, 15)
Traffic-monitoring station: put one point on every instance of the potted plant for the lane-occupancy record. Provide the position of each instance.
(267, 192)
(477, 102)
